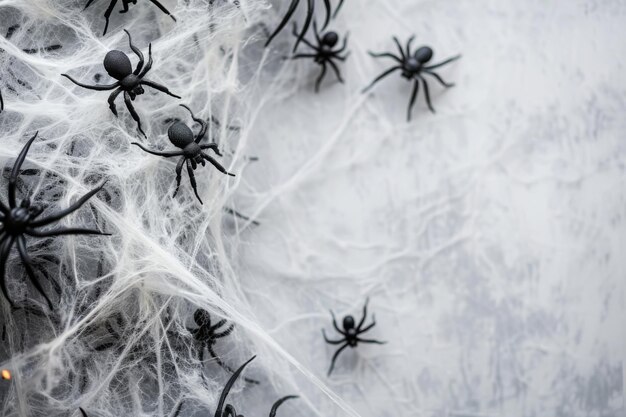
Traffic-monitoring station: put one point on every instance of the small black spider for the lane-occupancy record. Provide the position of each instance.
(117, 65)
(125, 4)
(324, 52)
(412, 67)
(206, 336)
(20, 220)
(191, 151)
(307, 23)
(350, 334)
(228, 410)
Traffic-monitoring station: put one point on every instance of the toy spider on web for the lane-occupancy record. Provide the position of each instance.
(206, 335)
(324, 52)
(31, 51)
(228, 410)
(117, 65)
(412, 67)
(125, 4)
(307, 23)
(191, 152)
(19, 221)
(350, 334)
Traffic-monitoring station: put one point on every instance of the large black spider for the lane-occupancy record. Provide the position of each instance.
(18, 221)
(10, 31)
(324, 52)
(206, 335)
(412, 68)
(190, 151)
(125, 4)
(307, 23)
(350, 334)
(228, 410)
(117, 65)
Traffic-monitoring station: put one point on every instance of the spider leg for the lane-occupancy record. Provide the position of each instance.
(192, 179)
(408, 46)
(112, 98)
(59, 215)
(88, 4)
(335, 323)
(16, 170)
(337, 72)
(321, 77)
(179, 174)
(431, 67)
(204, 125)
(427, 95)
(412, 101)
(164, 154)
(337, 9)
(385, 54)
(227, 387)
(163, 9)
(438, 78)
(368, 327)
(218, 325)
(27, 261)
(378, 342)
(229, 411)
(65, 231)
(307, 22)
(345, 44)
(332, 362)
(1, 102)
(107, 15)
(306, 42)
(81, 410)
(297, 56)
(381, 76)
(404, 57)
(225, 333)
(159, 87)
(216, 164)
(133, 112)
(279, 403)
(93, 87)
(137, 52)
(327, 6)
(149, 64)
(213, 146)
(226, 367)
(316, 33)
(281, 25)
(367, 300)
(5, 248)
(332, 342)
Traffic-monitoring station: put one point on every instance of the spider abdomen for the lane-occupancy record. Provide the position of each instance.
(117, 64)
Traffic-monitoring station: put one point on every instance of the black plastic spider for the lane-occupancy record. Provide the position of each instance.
(18, 221)
(350, 334)
(412, 67)
(117, 65)
(307, 23)
(324, 52)
(206, 336)
(125, 4)
(228, 410)
(191, 151)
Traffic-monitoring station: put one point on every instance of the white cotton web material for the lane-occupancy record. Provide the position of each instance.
(488, 236)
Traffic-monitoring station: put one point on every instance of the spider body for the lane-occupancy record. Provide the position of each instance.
(307, 22)
(228, 410)
(324, 52)
(19, 221)
(118, 66)
(412, 66)
(207, 334)
(351, 334)
(125, 4)
(190, 151)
